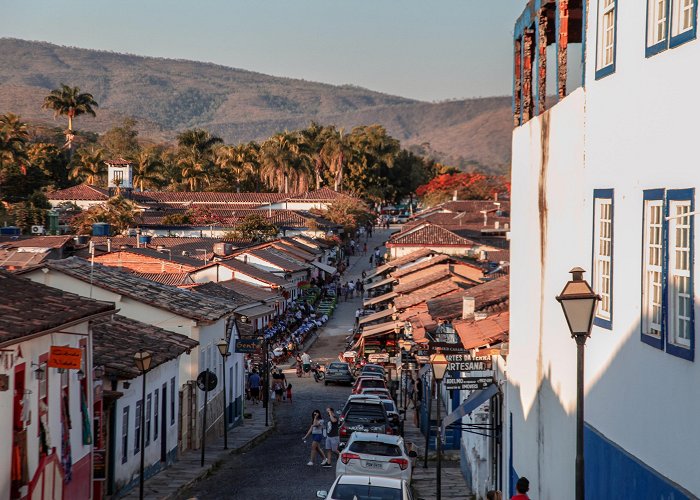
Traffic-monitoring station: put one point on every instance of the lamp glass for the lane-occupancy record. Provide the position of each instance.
(439, 363)
(143, 360)
(579, 313)
(223, 347)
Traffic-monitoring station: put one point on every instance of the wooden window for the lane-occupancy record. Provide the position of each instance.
(603, 254)
(125, 434)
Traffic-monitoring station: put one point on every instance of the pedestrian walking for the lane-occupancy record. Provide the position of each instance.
(360, 288)
(521, 487)
(346, 291)
(316, 430)
(254, 386)
(351, 289)
(364, 249)
(306, 362)
(289, 392)
(332, 437)
(410, 389)
(358, 311)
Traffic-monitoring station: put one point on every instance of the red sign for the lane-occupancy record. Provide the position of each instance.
(65, 357)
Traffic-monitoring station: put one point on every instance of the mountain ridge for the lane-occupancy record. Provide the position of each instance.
(170, 95)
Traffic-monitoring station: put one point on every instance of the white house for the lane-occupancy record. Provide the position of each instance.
(201, 318)
(118, 444)
(46, 390)
(605, 180)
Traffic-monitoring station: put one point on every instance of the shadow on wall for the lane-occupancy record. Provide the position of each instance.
(611, 471)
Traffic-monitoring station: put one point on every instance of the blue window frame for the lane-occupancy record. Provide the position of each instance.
(606, 46)
(670, 23)
(602, 254)
(680, 317)
(653, 258)
(668, 317)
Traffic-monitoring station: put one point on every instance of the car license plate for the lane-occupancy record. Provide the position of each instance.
(373, 465)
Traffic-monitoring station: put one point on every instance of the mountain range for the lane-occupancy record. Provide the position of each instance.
(168, 95)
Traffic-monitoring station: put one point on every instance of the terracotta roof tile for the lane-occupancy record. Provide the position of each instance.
(27, 307)
(236, 298)
(479, 333)
(254, 272)
(278, 259)
(116, 339)
(172, 299)
(402, 261)
(419, 266)
(176, 245)
(426, 279)
(250, 291)
(36, 242)
(323, 194)
(485, 294)
(428, 234)
(81, 192)
(119, 161)
(172, 279)
(206, 197)
(430, 292)
(13, 259)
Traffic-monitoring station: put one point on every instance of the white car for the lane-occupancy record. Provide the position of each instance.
(367, 488)
(373, 454)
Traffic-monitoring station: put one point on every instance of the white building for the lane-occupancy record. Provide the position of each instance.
(201, 318)
(605, 180)
(46, 390)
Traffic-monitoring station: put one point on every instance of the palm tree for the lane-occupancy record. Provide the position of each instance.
(70, 102)
(237, 161)
(335, 152)
(311, 142)
(196, 153)
(88, 166)
(278, 169)
(147, 170)
(13, 140)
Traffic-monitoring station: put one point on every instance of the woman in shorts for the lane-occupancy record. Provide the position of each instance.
(317, 436)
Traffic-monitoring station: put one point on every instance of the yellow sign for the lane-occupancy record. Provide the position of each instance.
(65, 357)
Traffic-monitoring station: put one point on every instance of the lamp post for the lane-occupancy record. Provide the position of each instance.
(266, 384)
(579, 301)
(438, 361)
(143, 363)
(223, 349)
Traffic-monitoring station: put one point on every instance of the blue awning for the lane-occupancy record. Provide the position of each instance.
(475, 399)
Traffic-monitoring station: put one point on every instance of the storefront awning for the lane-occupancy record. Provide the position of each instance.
(256, 311)
(375, 316)
(475, 399)
(379, 299)
(324, 267)
(385, 281)
(381, 329)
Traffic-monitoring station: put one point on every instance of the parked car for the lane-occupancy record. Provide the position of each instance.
(365, 382)
(376, 391)
(338, 373)
(349, 487)
(371, 368)
(367, 415)
(376, 454)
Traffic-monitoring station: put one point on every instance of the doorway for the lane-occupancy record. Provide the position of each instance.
(164, 424)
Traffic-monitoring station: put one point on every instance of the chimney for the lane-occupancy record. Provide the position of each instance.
(497, 225)
(467, 307)
(109, 245)
(454, 196)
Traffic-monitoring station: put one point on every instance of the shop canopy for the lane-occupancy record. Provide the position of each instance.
(256, 311)
(385, 281)
(475, 399)
(381, 328)
(379, 299)
(375, 316)
(324, 267)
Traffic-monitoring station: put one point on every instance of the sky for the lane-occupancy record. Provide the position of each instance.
(430, 50)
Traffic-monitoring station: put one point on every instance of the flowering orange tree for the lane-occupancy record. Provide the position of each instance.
(467, 185)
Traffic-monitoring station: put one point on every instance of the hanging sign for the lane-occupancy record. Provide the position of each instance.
(206, 383)
(464, 363)
(68, 358)
(246, 345)
(467, 383)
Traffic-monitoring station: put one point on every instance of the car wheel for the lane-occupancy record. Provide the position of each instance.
(325, 382)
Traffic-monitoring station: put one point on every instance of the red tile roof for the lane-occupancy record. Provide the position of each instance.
(485, 295)
(81, 192)
(173, 279)
(427, 234)
(254, 272)
(206, 197)
(402, 261)
(175, 245)
(430, 292)
(422, 279)
(420, 266)
(483, 332)
(27, 308)
(35, 241)
(323, 194)
(251, 291)
(278, 259)
(119, 161)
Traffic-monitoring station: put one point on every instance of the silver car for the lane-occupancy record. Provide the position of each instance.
(376, 455)
(367, 488)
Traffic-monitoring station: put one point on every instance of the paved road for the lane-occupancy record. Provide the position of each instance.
(276, 469)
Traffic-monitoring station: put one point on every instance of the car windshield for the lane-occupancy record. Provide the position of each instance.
(338, 366)
(376, 448)
(372, 369)
(365, 492)
(365, 413)
(388, 405)
(370, 382)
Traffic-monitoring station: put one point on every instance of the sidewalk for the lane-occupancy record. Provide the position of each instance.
(169, 482)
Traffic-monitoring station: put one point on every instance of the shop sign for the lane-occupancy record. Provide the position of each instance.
(464, 363)
(467, 383)
(68, 358)
(206, 383)
(381, 357)
(447, 348)
(246, 346)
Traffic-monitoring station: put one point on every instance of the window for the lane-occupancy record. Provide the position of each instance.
(155, 415)
(680, 273)
(125, 434)
(118, 177)
(137, 427)
(667, 293)
(683, 21)
(657, 26)
(607, 20)
(172, 401)
(652, 331)
(147, 438)
(603, 254)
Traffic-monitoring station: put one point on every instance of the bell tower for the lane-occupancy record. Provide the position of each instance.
(120, 177)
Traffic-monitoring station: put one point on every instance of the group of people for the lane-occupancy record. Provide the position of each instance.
(350, 289)
(521, 489)
(324, 437)
(280, 387)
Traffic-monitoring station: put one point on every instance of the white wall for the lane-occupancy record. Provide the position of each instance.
(30, 351)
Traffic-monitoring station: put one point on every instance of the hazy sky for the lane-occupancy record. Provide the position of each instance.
(424, 49)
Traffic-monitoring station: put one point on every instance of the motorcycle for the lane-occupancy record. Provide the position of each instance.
(318, 372)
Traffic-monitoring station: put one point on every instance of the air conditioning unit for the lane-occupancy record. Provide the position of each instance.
(38, 230)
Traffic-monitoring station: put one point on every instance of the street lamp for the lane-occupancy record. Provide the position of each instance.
(143, 359)
(266, 368)
(438, 361)
(579, 301)
(223, 349)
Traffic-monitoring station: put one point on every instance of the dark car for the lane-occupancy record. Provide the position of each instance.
(338, 373)
(364, 416)
(373, 369)
(365, 382)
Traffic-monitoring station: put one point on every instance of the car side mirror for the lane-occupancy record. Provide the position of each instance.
(321, 494)
(412, 454)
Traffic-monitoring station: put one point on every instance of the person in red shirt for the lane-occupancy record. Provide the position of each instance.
(522, 487)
